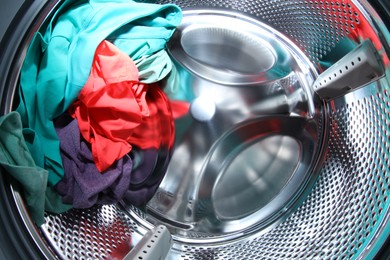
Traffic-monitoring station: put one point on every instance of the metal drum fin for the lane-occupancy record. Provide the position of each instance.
(358, 68)
(154, 245)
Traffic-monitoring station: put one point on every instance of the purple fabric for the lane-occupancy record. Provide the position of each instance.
(83, 185)
(144, 167)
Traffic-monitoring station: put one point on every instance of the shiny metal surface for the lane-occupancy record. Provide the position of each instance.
(251, 139)
(155, 244)
(342, 214)
(359, 67)
(231, 49)
(248, 174)
(95, 233)
(346, 213)
(226, 48)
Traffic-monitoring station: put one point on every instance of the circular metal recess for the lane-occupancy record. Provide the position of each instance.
(251, 141)
(242, 184)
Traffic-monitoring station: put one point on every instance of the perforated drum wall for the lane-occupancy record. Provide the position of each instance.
(345, 214)
(315, 26)
(348, 204)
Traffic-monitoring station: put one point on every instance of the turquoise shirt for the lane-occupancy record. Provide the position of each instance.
(59, 59)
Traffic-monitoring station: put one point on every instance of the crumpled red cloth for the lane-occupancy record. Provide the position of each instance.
(115, 111)
(157, 129)
(179, 108)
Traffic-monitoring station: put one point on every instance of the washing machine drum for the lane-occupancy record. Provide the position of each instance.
(282, 154)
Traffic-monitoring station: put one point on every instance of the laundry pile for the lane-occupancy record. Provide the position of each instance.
(93, 124)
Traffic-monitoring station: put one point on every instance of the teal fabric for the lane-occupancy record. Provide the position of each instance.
(17, 161)
(176, 85)
(53, 201)
(58, 61)
(153, 68)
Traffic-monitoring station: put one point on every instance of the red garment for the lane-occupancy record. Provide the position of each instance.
(179, 108)
(115, 111)
(156, 130)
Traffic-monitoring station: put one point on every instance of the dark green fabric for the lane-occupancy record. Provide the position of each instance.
(53, 201)
(16, 160)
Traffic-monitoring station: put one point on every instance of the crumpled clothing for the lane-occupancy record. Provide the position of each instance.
(83, 185)
(176, 84)
(158, 129)
(115, 111)
(153, 68)
(53, 201)
(17, 161)
(58, 61)
(111, 104)
(179, 108)
(135, 177)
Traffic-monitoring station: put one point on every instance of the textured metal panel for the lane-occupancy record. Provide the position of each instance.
(337, 220)
(90, 234)
(315, 26)
(348, 203)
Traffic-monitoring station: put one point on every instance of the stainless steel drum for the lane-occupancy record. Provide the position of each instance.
(284, 153)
